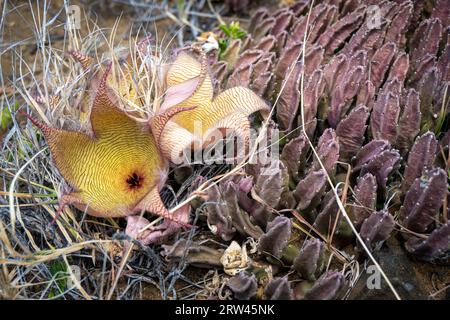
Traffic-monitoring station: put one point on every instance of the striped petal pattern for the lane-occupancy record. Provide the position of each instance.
(228, 111)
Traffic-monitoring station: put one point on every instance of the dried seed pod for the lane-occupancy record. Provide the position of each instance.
(409, 123)
(310, 261)
(350, 132)
(309, 190)
(278, 289)
(377, 228)
(423, 200)
(420, 158)
(432, 247)
(243, 285)
(276, 237)
(327, 287)
(365, 199)
(193, 254)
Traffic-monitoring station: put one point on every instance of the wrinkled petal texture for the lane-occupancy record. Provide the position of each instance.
(228, 110)
(112, 169)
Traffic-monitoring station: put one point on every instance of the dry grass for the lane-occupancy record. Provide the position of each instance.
(36, 256)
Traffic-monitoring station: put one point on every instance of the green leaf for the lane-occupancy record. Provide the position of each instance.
(58, 270)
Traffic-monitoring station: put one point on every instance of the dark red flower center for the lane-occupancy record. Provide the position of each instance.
(134, 181)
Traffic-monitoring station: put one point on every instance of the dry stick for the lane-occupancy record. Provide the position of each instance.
(341, 206)
(119, 272)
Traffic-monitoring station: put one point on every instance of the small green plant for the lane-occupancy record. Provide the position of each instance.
(59, 272)
(6, 117)
(232, 31)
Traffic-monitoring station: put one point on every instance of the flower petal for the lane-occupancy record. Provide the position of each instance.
(186, 68)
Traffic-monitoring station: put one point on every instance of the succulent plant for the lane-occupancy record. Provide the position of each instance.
(368, 92)
(276, 237)
(377, 228)
(310, 261)
(365, 198)
(243, 285)
(434, 245)
(278, 289)
(225, 215)
(326, 287)
(423, 200)
(309, 190)
(421, 158)
(329, 216)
